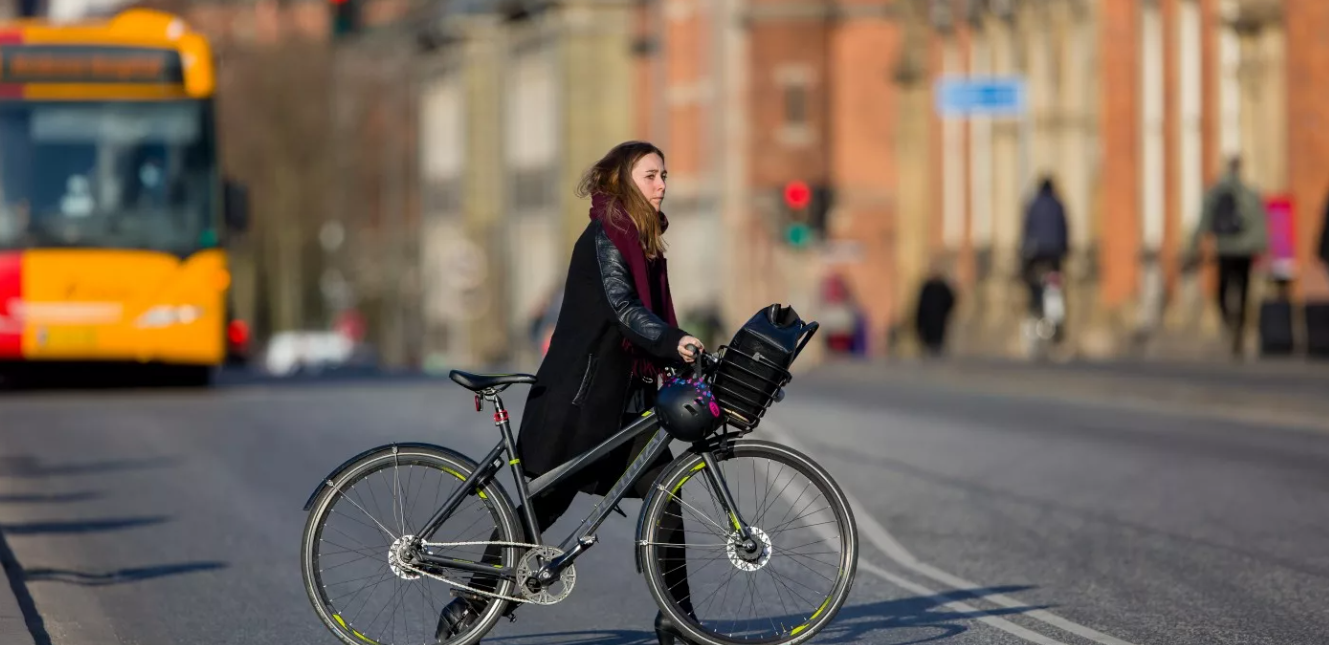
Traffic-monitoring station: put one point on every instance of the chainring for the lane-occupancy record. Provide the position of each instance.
(530, 565)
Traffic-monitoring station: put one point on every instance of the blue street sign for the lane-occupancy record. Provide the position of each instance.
(961, 96)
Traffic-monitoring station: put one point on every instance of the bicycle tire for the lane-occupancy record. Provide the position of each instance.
(444, 459)
(686, 466)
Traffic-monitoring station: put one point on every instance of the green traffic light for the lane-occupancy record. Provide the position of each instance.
(798, 234)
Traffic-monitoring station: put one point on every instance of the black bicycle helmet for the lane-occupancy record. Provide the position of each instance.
(687, 408)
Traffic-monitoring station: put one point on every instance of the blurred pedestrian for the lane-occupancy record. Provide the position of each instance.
(841, 318)
(618, 331)
(936, 301)
(1234, 215)
(1046, 241)
(1324, 237)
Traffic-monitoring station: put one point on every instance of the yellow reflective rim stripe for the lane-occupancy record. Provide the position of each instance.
(796, 630)
(463, 478)
(687, 477)
(362, 637)
(685, 480)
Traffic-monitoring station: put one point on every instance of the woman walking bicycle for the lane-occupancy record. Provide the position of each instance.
(615, 332)
(414, 542)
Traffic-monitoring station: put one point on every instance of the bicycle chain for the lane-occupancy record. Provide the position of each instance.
(459, 585)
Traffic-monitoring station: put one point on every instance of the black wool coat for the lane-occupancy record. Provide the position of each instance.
(586, 378)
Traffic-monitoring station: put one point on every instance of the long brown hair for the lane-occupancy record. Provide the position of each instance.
(611, 176)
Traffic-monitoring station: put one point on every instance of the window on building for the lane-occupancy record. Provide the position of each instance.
(796, 105)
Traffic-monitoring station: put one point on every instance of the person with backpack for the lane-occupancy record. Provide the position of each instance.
(1045, 242)
(1234, 214)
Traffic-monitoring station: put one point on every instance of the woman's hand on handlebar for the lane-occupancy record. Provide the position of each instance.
(686, 352)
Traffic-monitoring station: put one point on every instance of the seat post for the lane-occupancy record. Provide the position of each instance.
(505, 428)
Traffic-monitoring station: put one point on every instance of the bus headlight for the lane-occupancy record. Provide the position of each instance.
(167, 315)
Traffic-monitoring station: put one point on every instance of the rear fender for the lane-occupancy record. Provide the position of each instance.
(336, 472)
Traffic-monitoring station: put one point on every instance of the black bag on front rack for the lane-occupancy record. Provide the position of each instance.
(755, 364)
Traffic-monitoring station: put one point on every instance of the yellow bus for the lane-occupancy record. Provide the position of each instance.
(113, 211)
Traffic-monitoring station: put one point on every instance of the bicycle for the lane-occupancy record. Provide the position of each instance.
(1046, 328)
(529, 571)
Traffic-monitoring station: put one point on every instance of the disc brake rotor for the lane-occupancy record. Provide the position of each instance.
(403, 571)
(739, 556)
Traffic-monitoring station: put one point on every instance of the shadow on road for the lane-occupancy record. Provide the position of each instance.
(77, 527)
(31, 467)
(853, 623)
(122, 576)
(857, 621)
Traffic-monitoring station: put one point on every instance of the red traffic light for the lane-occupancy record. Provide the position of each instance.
(797, 194)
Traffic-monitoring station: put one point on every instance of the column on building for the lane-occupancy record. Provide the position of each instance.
(597, 106)
(980, 189)
(954, 196)
(733, 165)
(1152, 170)
(1077, 161)
(863, 166)
(1120, 223)
(1307, 65)
(483, 202)
(442, 114)
(1187, 89)
(531, 237)
(1008, 186)
(691, 105)
(916, 207)
(1262, 95)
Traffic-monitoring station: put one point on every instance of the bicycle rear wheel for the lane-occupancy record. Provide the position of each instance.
(785, 592)
(359, 591)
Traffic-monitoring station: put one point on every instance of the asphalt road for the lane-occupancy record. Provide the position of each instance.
(175, 517)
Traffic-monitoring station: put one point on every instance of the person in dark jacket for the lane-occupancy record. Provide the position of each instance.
(615, 333)
(936, 301)
(1324, 237)
(1046, 241)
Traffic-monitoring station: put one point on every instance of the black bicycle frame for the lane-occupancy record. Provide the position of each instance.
(573, 544)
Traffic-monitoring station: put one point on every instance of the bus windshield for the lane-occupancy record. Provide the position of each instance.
(109, 174)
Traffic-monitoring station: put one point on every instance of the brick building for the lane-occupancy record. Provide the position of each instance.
(1133, 107)
(746, 96)
(1133, 104)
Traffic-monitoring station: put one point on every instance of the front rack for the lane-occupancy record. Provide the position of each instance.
(746, 385)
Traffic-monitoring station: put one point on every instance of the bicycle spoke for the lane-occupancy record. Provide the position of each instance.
(362, 510)
(756, 597)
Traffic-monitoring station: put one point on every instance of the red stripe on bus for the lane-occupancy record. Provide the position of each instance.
(11, 293)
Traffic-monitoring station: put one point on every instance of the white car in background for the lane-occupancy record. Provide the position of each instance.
(295, 352)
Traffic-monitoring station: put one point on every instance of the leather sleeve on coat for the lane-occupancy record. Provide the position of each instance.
(645, 329)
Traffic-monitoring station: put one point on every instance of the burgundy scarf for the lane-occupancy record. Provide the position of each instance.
(623, 233)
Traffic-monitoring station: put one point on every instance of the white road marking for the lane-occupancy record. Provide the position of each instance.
(957, 605)
(883, 540)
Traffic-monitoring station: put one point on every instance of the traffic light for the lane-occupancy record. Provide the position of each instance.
(805, 210)
(345, 17)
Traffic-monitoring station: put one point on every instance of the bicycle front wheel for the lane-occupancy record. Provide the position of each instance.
(786, 590)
